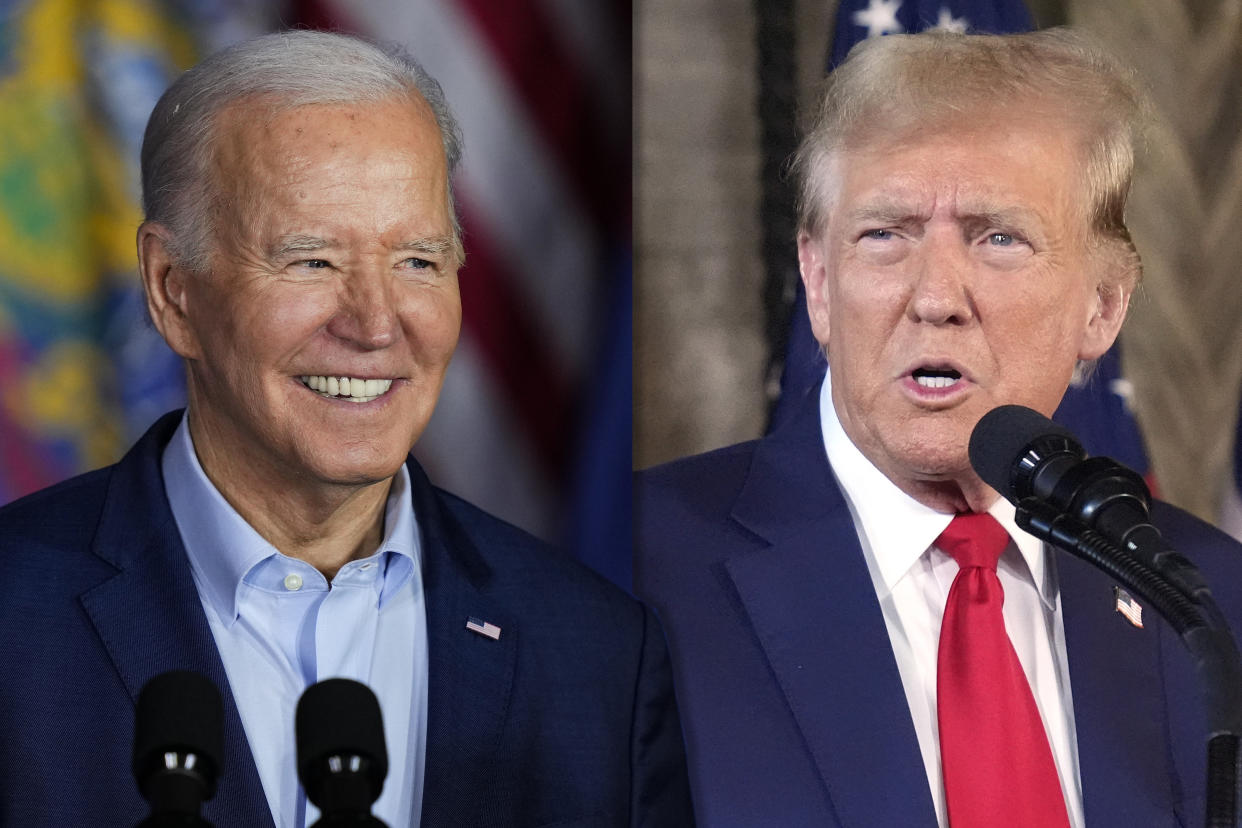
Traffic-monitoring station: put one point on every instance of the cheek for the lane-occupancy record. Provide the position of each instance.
(865, 312)
(1035, 351)
(1051, 324)
(225, 328)
(295, 314)
(279, 321)
(431, 317)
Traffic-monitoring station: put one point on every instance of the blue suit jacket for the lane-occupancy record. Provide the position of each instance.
(790, 697)
(567, 719)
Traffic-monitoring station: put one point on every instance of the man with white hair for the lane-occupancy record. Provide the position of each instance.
(861, 634)
(300, 252)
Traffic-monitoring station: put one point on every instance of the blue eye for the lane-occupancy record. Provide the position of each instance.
(879, 235)
(1001, 239)
(416, 263)
(316, 264)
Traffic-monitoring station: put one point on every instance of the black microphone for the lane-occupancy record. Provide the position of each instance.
(1021, 453)
(342, 760)
(178, 747)
(1036, 463)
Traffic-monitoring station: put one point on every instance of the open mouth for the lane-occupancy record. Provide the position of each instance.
(936, 377)
(352, 389)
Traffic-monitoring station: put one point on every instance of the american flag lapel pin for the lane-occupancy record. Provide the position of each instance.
(489, 629)
(1128, 607)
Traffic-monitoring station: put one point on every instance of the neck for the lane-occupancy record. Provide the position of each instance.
(326, 525)
(326, 533)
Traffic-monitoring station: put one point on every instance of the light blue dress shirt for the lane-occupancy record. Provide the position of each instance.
(280, 627)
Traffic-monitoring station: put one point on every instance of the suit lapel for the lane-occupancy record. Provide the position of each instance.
(149, 617)
(471, 675)
(811, 602)
(1119, 710)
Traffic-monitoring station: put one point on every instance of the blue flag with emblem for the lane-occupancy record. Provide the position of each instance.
(81, 372)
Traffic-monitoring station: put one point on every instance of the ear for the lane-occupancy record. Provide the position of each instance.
(1111, 304)
(165, 284)
(813, 267)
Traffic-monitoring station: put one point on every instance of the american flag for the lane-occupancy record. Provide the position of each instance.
(488, 629)
(528, 420)
(1128, 607)
(860, 19)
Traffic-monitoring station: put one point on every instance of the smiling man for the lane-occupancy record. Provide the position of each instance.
(861, 634)
(300, 252)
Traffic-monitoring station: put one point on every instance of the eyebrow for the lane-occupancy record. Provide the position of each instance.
(434, 245)
(287, 245)
(1004, 217)
(896, 213)
(300, 244)
(886, 213)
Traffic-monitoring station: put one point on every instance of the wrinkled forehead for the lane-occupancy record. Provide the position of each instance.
(1037, 137)
(263, 139)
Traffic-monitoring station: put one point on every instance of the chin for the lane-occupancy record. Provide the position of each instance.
(362, 469)
(934, 453)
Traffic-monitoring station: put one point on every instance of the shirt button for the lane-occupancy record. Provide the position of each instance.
(293, 582)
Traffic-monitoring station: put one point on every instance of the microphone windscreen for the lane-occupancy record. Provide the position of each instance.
(179, 711)
(1002, 436)
(339, 716)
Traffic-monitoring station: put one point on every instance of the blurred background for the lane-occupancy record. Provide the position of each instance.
(534, 422)
(720, 339)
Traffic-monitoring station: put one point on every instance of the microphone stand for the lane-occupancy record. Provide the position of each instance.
(1181, 597)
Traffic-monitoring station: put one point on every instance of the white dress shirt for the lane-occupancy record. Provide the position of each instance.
(280, 626)
(912, 578)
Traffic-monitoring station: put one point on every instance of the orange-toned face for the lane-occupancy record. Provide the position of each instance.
(332, 257)
(954, 274)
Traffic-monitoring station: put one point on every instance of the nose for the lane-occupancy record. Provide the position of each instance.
(367, 314)
(941, 293)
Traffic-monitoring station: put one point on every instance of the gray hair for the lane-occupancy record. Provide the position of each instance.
(295, 68)
(897, 81)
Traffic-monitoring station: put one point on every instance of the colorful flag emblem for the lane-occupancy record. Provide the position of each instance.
(488, 629)
(1127, 606)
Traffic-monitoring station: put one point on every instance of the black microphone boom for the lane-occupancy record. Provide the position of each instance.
(342, 760)
(178, 746)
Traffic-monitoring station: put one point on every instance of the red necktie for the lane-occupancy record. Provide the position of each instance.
(998, 767)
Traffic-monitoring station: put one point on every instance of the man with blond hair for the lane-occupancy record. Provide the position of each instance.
(861, 634)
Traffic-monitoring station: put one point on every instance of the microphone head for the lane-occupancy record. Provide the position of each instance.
(1012, 443)
(339, 718)
(179, 712)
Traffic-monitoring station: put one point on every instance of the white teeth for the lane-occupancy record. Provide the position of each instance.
(934, 382)
(347, 388)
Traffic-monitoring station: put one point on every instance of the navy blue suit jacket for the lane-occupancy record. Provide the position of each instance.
(567, 719)
(790, 697)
